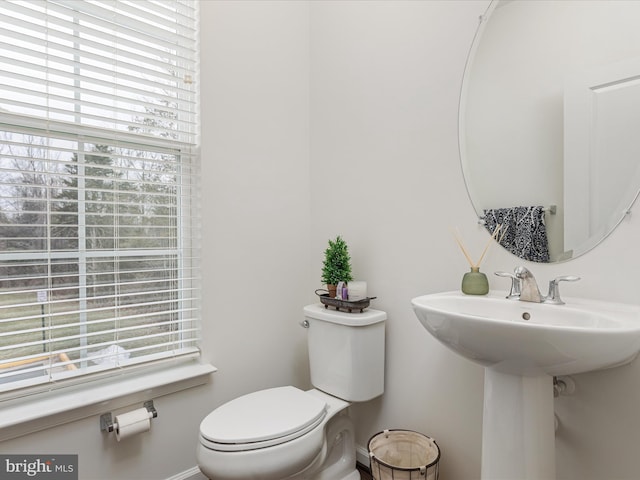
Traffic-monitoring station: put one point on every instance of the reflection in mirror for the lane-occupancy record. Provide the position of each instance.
(549, 121)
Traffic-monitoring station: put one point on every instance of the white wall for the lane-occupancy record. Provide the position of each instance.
(385, 81)
(255, 155)
(328, 118)
(255, 151)
(385, 174)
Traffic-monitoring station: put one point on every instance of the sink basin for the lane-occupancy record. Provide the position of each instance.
(522, 346)
(526, 338)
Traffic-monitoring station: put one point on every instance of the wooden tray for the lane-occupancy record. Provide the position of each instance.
(348, 305)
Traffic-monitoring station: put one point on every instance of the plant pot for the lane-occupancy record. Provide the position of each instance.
(332, 290)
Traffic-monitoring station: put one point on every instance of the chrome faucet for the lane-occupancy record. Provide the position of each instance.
(528, 286)
(525, 288)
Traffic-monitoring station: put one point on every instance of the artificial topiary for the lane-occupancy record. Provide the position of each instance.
(337, 263)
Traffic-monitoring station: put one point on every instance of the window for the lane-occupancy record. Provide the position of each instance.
(98, 223)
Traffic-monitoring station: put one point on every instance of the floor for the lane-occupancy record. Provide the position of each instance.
(365, 474)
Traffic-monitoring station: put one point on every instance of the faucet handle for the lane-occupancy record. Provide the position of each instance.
(514, 292)
(554, 292)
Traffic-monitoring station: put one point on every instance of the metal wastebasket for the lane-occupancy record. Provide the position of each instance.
(403, 455)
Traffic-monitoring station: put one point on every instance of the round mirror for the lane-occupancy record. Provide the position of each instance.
(550, 123)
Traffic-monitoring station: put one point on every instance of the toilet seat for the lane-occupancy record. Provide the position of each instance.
(262, 419)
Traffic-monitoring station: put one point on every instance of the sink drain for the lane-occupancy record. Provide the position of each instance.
(526, 316)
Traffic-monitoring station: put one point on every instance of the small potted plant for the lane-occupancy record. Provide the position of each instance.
(337, 265)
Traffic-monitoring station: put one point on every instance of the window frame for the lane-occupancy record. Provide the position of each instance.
(185, 221)
(22, 406)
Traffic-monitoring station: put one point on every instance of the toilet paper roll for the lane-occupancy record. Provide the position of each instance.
(132, 423)
(357, 290)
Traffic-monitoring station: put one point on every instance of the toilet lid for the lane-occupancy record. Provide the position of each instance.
(263, 416)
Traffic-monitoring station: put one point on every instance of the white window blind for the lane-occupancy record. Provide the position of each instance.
(98, 172)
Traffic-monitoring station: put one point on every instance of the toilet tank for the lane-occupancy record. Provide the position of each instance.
(346, 352)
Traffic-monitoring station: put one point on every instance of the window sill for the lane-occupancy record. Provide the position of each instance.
(25, 415)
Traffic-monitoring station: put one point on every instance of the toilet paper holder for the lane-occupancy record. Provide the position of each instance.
(106, 419)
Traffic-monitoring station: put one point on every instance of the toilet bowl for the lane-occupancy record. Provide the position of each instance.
(287, 433)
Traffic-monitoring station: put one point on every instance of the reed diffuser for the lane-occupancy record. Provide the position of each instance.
(475, 282)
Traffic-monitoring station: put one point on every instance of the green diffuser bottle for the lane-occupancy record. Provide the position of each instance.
(475, 282)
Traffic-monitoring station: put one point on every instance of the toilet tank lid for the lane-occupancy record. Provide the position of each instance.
(370, 316)
(263, 415)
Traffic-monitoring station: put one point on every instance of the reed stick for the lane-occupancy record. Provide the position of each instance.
(464, 250)
(502, 234)
(494, 236)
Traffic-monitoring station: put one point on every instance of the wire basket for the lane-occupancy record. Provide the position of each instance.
(403, 455)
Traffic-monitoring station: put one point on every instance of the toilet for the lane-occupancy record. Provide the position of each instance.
(285, 433)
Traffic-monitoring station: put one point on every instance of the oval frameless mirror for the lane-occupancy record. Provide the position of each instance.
(549, 120)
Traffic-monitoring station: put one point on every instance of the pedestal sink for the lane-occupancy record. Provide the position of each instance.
(522, 346)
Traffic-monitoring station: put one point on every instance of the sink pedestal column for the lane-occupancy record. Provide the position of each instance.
(518, 430)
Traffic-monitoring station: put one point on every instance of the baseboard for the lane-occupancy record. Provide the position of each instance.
(362, 455)
(191, 474)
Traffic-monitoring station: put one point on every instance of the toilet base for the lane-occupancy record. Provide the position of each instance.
(337, 461)
(334, 460)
